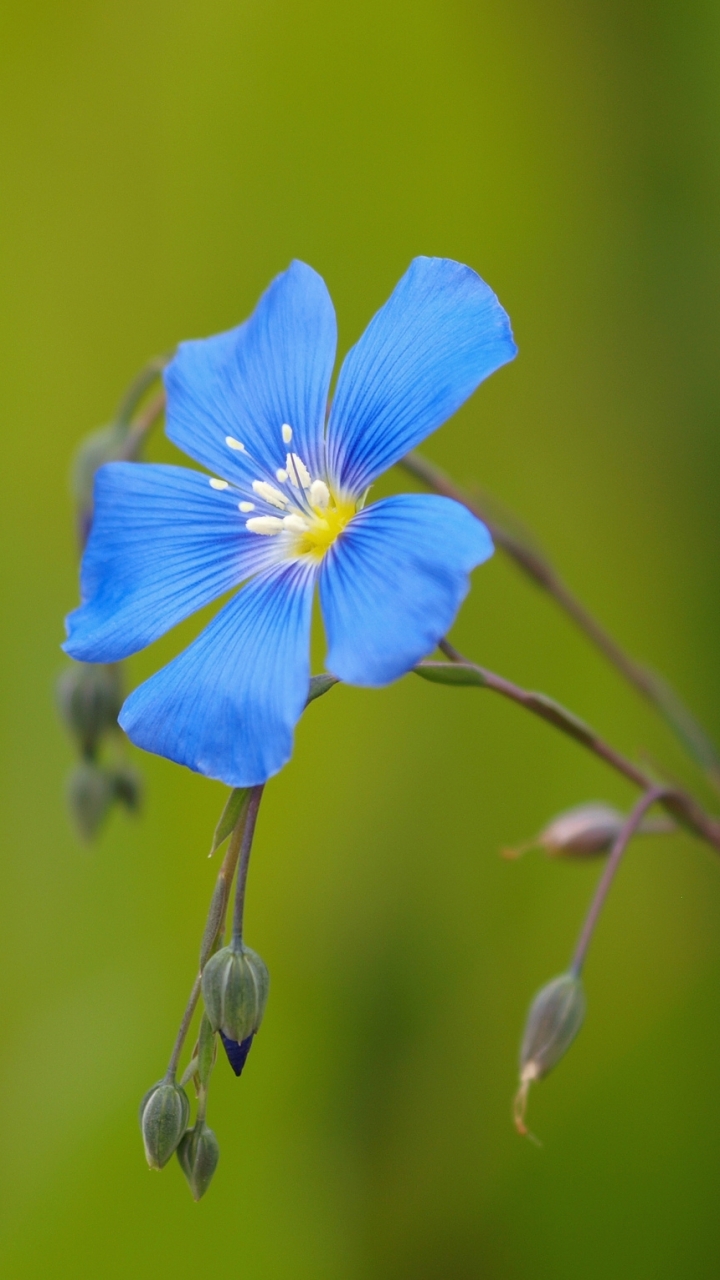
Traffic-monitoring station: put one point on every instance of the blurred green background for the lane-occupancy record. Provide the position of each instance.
(159, 164)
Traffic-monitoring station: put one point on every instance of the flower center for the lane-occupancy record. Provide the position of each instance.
(309, 515)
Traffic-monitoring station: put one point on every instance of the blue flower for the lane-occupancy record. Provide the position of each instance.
(286, 512)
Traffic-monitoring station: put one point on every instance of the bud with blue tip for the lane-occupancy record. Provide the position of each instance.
(235, 986)
(198, 1154)
(164, 1115)
(555, 1017)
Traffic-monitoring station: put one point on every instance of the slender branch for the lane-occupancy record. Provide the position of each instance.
(141, 427)
(253, 806)
(616, 853)
(214, 925)
(651, 685)
(680, 804)
(139, 386)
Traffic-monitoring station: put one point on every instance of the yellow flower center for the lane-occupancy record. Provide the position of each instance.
(324, 526)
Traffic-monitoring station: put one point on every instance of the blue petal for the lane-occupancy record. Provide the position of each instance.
(441, 332)
(246, 383)
(228, 705)
(393, 581)
(237, 1051)
(163, 544)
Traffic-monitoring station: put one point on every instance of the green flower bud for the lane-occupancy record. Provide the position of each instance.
(128, 787)
(198, 1154)
(235, 985)
(89, 697)
(555, 1017)
(90, 792)
(164, 1114)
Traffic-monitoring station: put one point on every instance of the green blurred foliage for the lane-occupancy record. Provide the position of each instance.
(160, 163)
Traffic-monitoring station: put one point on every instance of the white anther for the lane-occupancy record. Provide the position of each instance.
(286, 432)
(218, 484)
(269, 493)
(297, 471)
(232, 443)
(281, 474)
(264, 524)
(319, 494)
(296, 524)
(246, 506)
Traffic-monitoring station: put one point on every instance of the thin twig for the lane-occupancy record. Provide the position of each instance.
(680, 804)
(631, 826)
(253, 806)
(652, 686)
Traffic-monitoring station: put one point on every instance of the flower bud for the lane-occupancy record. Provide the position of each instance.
(585, 831)
(90, 792)
(555, 1017)
(198, 1154)
(90, 697)
(164, 1113)
(235, 988)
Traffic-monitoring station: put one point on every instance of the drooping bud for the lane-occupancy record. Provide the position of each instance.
(198, 1154)
(164, 1114)
(555, 1017)
(586, 831)
(235, 985)
(90, 792)
(128, 786)
(90, 696)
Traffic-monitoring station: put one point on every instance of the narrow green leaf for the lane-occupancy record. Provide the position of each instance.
(228, 818)
(205, 1051)
(458, 673)
(320, 685)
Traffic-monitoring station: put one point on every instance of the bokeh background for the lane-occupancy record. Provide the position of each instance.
(160, 163)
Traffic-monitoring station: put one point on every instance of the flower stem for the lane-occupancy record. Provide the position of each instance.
(630, 828)
(535, 564)
(139, 387)
(251, 814)
(215, 923)
(680, 804)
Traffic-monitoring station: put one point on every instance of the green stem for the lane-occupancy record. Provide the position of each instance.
(256, 794)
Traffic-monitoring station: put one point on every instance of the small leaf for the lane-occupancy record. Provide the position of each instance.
(205, 1051)
(458, 673)
(229, 817)
(320, 685)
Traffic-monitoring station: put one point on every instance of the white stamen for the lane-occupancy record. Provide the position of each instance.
(246, 506)
(319, 494)
(296, 523)
(218, 484)
(269, 493)
(264, 524)
(232, 443)
(281, 474)
(287, 432)
(297, 471)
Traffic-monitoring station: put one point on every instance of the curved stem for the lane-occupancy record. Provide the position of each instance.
(647, 682)
(616, 853)
(139, 386)
(253, 806)
(183, 1030)
(680, 804)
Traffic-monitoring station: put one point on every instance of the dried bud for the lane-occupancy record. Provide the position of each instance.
(164, 1113)
(198, 1154)
(585, 831)
(90, 697)
(235, 985)
(90, 791)
(556, 1015)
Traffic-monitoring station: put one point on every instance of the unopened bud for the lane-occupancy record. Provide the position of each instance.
(128, 787)
(198, 1154)
(555, 1017)
(164, 1114)
(585, 831)
(90, 792)
(235, 985)
(90, 697)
